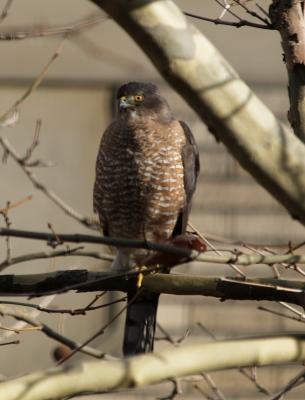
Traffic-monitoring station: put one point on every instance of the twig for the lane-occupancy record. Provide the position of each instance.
(186, 254)
(298, 319)
(54, 31)
(5, 10)
(254, 380)
(253, 13)
(243, 371)
(168, 337)
(100, 331)
(7, 146)
(17, 204)
(25, 329)
(56, 253)
(207, 377)
(206, 330)
(4, 213)
(238, 24)
(293, 383)
(29, 152)
(75, 311)
(292, 309)
(118, 242)
(7, 311)
(202, 392)
(214, 248)
(97, 297)
(13, 110)
(257, 251)
(176, 391)
(8, 343)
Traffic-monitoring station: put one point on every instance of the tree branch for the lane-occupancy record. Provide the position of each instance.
(237, 24)
(191, 64)
(66, 208)
(148, 369)
(20, 316)
(70, 29)
(235, 257)
(53, 254)
(288, 18)
(223, 288)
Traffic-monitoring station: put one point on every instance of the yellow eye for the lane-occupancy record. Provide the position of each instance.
(139, 97)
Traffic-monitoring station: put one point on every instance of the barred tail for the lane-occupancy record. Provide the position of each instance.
(140, 323)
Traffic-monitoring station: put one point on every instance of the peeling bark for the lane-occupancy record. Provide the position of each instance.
(288, 18)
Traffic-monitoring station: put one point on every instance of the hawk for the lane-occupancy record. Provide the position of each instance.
(146, 172)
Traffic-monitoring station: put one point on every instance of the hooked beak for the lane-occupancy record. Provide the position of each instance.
(126, 102)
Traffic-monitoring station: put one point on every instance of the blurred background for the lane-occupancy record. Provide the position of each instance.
(75, 103)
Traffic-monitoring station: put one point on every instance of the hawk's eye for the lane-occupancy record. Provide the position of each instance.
(139, 97)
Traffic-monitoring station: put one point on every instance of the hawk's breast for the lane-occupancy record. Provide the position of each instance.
(139, 188)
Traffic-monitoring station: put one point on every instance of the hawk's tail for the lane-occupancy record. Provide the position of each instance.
(140, 323)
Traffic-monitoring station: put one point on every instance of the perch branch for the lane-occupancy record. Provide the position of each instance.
(223, 288)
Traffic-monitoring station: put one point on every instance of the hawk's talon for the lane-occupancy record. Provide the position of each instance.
(140, 277)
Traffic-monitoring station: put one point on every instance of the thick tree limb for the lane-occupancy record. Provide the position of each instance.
(288, 19)
(223, 288)
(139, 371)
(190, 63)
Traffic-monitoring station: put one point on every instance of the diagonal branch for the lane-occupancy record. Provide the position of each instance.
(54, 31)
(190, 63)
(10, 312)
(66, 208)
(143, 370)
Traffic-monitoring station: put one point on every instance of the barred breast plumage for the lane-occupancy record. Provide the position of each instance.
(139, 188)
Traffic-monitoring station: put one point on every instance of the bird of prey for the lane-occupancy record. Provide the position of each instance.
(146, 172)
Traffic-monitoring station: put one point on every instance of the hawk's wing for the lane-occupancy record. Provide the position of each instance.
(98, 193)
(191, 168)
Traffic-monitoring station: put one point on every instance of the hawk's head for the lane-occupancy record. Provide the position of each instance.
(142, 98)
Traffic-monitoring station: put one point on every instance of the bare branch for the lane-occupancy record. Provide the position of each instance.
(70, 311)
(143, 370)
(54, 31)
(243, 371)
(237, 24)
(101, 331)
(85, 281)
(253, 14)
(280, 314)
(55, 253)
(9, 149)
(5, 10)
(237, 258)
(11, 342)
(7, 311)
(13, 112)
(294, 382)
